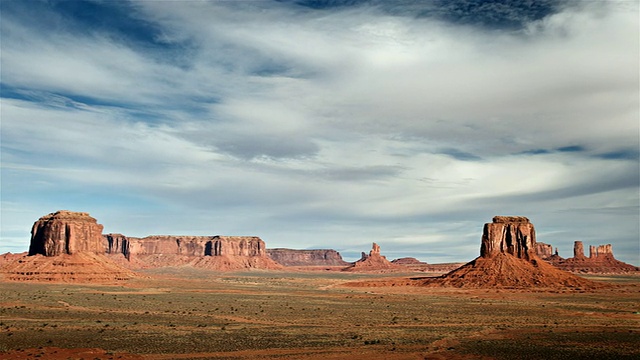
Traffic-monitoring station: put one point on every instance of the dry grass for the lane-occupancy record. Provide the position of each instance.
(189, 313)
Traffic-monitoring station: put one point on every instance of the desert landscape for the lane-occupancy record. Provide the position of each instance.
(319, 179)
(79, 294)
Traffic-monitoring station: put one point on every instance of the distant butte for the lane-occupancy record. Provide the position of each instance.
(600, 261)
(372, 262)
(508, 260)
(316, 257)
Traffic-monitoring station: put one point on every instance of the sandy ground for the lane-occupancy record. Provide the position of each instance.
(184, 313)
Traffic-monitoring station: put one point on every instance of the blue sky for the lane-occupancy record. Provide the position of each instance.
(325, 124)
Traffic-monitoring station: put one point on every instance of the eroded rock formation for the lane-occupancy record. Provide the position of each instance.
(508, 260)
(317, 257)
(578, 250)
(83, 267)
(66, 232)
(372, 262)
(512, 235)
(65, 247)
(212, 252)
(600, 261)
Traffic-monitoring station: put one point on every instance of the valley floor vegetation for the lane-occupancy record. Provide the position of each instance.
(182, 313)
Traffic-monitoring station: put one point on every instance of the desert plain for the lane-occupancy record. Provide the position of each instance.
(190, 313)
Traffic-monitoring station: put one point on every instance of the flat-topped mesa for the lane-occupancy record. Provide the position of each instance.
(236, 246)
(222, 253)
(510, 219)
(315, 257)
(513, 235)
(66, 232)
(185, 245)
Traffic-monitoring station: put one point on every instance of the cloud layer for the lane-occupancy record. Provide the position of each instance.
(325, 124)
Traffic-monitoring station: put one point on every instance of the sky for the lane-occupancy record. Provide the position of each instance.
(325, 124)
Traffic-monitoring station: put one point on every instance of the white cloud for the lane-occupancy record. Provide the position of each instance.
(333, 128)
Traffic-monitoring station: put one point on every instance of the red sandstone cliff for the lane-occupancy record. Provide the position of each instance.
(66, 232)
(65, 247)
(211, 252)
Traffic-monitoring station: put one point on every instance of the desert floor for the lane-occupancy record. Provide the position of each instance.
(184, 313)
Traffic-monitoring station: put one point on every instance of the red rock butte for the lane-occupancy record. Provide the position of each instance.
(508, 260)
(66, 232)
(65, 246)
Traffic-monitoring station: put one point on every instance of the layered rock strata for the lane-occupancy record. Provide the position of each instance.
(316, 257)
(508, 260)
(512, 235)
(211, 252)
(66, 232)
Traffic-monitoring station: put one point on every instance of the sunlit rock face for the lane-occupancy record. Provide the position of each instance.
(66, 232)
(513, 235)
(508, 260)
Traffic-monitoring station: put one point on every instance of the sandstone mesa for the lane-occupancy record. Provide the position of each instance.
(70, 246)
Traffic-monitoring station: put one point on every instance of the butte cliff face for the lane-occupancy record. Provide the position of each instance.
(600, 261)
(211, 252)
(316, 257)
(65, 247)
(66, 232)
(508, 260)
(512, 235)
